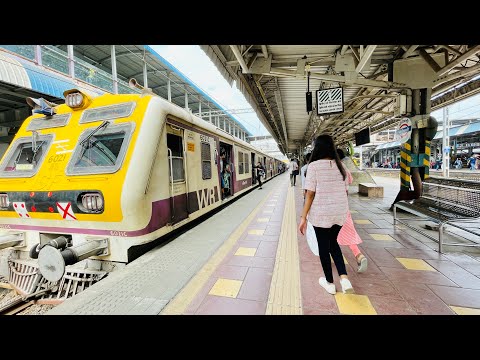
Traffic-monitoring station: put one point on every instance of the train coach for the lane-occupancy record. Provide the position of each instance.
(85, 182)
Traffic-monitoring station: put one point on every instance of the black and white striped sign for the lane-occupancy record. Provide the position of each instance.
(330, 101)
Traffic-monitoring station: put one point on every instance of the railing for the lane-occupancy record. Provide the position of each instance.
(57, 59)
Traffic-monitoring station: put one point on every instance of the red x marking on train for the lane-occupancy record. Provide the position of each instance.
(67, 210)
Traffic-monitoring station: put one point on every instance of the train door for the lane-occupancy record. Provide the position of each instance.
(177, 174)
(254, 178)
(227, 170)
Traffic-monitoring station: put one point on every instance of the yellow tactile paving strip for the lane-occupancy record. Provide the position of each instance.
(285, 293)
(415, 264)
(465, 311)
(179, 304)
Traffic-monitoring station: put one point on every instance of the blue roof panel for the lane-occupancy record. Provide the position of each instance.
(47, 83)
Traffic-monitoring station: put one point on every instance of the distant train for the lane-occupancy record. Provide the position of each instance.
(94, 177)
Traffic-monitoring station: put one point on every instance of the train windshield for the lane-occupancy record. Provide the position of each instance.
(25, 157)
(100, 150)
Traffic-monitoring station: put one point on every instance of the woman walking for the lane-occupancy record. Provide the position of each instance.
(326, 205)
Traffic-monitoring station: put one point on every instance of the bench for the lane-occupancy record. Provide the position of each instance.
(370, 189)
(444, 201)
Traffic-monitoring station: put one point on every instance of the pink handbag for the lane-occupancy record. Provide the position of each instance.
(348, 235)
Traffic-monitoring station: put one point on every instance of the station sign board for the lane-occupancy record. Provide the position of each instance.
(404, 130)
(330, 101)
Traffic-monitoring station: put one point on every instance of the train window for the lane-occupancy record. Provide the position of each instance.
(240, 162)
(175, 145)
(246, 163)
(206, 161)
(103, 152)
(23, 159)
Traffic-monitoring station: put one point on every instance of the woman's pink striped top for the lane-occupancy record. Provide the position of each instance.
(330, 204)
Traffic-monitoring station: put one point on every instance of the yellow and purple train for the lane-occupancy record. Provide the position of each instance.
(96, 177)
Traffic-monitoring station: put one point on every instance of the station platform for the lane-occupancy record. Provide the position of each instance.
(249, 258)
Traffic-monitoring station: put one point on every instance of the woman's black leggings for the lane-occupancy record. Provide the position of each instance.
(327, 244)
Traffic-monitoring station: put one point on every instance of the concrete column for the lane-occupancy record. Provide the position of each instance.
(114, 69)
(38, 54)
(145, 74)
(169, 87)
(71, 61)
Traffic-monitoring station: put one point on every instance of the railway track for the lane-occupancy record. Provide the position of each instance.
(15, 306)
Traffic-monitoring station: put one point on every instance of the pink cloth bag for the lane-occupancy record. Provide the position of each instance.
(348, 235)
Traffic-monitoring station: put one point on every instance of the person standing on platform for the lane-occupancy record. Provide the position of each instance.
(302, 173)
(260, 173)
(293, 172)
(326, 205)
(471, 161)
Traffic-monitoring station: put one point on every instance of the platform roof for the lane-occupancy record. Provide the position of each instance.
(273, 79)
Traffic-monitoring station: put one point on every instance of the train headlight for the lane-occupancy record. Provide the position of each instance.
(76, 99)
(4, 202)
(92, 202)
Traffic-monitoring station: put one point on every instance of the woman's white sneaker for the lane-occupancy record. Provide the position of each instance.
(330, 287)
(347, 287)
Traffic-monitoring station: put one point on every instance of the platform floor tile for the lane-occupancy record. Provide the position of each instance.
(415, 264)
(256, 232)
(226, 287)
(465, 311)
(353, 304)
(245, 251)
(362, 221)
(382, 237)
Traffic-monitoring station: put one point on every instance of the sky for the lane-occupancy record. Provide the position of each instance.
(195, 64)
(465, 109)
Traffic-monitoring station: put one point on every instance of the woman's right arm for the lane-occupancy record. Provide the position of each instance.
(302, 227)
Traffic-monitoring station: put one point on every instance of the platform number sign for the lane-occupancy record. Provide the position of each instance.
(330, 101)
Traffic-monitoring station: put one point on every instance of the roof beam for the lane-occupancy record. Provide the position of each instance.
(448, 48)
(338, 79)
(458, 74)
(458, 60)
(239, 57)
(278, 99)
(269, 109)
(264, 51)
(430, 61)
(344, 49)
(366, 56)
(409, 51)
(355, 52)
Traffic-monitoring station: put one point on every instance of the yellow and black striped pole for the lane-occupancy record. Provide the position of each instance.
(405, 162)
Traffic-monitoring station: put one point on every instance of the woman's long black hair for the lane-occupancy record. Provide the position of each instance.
(325, 148)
